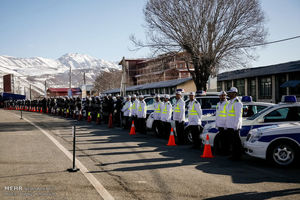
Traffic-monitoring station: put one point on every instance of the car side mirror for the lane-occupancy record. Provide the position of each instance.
(261, 120)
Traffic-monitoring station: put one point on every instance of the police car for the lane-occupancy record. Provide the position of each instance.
(279, 144)
(286, 111)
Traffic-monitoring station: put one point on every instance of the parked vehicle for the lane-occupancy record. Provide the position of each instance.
(280, 144)
(286, 111)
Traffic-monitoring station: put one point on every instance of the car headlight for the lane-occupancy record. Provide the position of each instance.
(255, 136)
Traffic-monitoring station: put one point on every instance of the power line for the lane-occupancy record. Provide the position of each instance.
(272, 42)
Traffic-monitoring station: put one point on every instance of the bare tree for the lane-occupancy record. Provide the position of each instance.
(215, 34)
(108, 80)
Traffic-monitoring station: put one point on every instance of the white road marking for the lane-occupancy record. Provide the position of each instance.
(97, 185)
(141, 181)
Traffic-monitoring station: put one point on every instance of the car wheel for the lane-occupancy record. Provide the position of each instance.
(188, 136)
(156, 130)
(282, 154)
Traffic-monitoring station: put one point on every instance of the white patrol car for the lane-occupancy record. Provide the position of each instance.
(286, 111)
(279, 144)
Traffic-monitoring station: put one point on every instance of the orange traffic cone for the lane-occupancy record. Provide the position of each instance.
(89, 119)
(171, 139)
(110, 122)
(207, 149)
(132, 130)
(47, 111)
(41, 110)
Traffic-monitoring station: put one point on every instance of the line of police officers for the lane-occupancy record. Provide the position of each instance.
(137, 110)
(228, 115)
(228, 119)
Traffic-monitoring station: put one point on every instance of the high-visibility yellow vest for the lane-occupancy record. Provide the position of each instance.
(193, 111)
(157, 110)
(133, 105)
(177, 108)
(89, 114)
(98, 115)
(231, 112)
(140, 108)
(129, 107)
(165, 110)
(223, 111)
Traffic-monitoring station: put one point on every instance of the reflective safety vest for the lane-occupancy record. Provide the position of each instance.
(140, 108)
(133, 106)
(193, 111)
(231, 112)
(67, 110)
(165, 110)
(89, 114)
(98, 115)
(223, 112)
(177, 108)
(158, 110)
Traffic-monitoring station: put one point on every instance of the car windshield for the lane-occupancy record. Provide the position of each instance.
(149, 101)
(206, 103)
(173, 100)
(259, 113)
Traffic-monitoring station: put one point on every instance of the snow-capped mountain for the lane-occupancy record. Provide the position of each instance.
(35, 71)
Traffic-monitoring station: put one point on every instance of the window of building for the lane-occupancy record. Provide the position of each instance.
(219, 86)
(172, 90)
(240, 85)
(279, 91)
(228, 85)
(295, 90)
(252, 88)
(265, 87)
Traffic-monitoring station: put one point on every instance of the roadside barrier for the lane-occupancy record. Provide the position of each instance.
(74, 168)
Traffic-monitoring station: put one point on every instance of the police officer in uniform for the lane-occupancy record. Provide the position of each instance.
(135, 103)
(222, 144)
(105, 109)
(127, 112)
(141, 115)
(117, 113)
(194, 117)
(157, 125)
(166, 115)
(179, 117)
(234, 111)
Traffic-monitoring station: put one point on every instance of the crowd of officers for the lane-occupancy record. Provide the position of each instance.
(134, 109)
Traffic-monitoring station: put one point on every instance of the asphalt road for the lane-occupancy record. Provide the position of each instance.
(128, 167)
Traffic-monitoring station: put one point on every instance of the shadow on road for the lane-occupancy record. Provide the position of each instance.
(257, 196)
(246, 171)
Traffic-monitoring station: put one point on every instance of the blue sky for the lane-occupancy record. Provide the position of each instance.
(101, 28)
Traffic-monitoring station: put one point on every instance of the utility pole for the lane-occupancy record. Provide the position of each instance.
(124, 77)
(70, 79)
(45, 88)
(13, 83)
(84, 78)
(30, 91)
